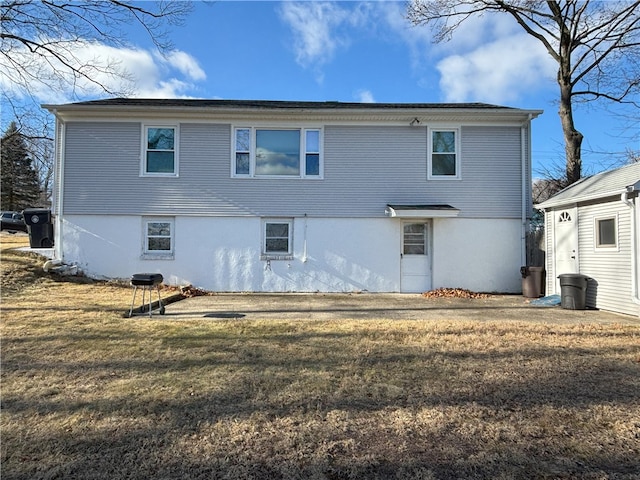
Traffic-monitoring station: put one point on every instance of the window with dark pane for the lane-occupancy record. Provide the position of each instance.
(312, 152)
(159, 236)
(606, 232)
(443, 153)
(243, 151)
(160, 150)
(277, 237)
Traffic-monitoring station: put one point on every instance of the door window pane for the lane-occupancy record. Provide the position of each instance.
(415, 239)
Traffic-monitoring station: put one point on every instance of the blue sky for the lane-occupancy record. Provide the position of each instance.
(363, 52)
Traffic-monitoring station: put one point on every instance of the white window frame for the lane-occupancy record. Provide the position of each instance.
(443, 128)
(158, 254)
(596, 233)
(288, 255)
(302, 154)
(145, 143)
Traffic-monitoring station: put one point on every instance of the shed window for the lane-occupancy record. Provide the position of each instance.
(606, 235)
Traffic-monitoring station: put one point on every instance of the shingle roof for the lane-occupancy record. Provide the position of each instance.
(277, 104)
(605, 184)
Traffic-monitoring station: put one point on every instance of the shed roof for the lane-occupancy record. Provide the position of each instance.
(603, 185)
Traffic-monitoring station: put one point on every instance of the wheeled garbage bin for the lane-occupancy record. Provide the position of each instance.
(573, 291)
(39, 226)
(532, 281)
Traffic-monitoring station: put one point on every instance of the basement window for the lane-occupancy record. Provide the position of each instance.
(158, 234)
(277, 240)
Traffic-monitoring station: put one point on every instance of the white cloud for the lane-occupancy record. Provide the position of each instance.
(186, 64)
(497, 72)
(488, 59)
(131, 71)
(365, 96)
(314, 27)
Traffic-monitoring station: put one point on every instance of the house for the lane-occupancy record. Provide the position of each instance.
(593, 228)
(279, 196)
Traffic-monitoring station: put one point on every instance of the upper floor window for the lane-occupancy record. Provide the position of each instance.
(444, 155)
(159, 150)
(277, 152)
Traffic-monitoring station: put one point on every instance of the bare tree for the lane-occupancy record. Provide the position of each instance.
(43, 52)
(596, 45)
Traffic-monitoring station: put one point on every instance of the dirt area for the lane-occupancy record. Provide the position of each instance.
(393, 306)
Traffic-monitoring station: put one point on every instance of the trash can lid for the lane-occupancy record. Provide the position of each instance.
(572, 275)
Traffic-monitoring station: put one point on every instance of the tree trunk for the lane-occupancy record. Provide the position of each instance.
(572, 137)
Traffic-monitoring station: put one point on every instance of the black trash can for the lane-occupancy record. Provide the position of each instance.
(573, 291)
(39, 226)
(532, 281)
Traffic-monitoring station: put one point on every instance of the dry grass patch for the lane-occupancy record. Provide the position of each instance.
(89, 394)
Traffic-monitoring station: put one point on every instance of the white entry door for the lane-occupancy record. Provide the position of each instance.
(415, 259)
(566, 241)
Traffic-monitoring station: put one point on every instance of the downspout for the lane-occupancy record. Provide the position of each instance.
(635, 293)
(59, 154)
(526, 127)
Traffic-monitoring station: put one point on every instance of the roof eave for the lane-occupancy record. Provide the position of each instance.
(579, 199)
(401, 113)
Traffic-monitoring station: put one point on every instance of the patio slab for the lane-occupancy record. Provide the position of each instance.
(391, 306)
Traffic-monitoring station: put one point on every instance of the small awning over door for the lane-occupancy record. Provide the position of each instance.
(422, 211)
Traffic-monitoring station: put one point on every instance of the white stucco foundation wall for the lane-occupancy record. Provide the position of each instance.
(223, 254)
(329, 254)
(481, 255)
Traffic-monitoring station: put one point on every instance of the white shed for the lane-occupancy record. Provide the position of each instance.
(593, 228)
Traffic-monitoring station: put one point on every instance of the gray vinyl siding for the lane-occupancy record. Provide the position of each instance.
(611, 269)
(365, 168)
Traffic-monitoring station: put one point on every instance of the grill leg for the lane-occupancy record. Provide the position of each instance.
(150, 301)
(160, 300)
(135, 289)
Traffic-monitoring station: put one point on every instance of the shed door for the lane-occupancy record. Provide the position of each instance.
(566, 241)
(415, 263)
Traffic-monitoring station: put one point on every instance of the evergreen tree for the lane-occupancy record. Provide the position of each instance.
(19, 181)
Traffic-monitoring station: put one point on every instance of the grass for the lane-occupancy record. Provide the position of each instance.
(89, 394)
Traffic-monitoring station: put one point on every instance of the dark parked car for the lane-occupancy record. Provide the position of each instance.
(13, 222)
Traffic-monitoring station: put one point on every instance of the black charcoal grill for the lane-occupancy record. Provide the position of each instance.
(146, 281)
